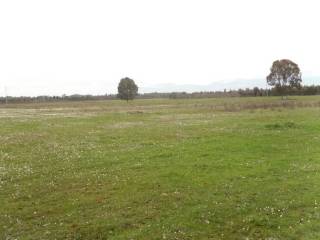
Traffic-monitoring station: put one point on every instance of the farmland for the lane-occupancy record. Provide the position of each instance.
(222, 168)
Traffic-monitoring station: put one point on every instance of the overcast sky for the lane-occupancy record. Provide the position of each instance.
(75, 46)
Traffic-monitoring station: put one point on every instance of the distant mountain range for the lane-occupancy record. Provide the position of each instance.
(217, 86)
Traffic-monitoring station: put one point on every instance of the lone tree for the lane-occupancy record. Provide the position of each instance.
(284, 75)
(127, 89)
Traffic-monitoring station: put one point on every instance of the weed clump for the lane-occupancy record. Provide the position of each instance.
(281, 126)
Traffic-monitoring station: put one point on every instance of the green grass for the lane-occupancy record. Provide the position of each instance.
(237, 168)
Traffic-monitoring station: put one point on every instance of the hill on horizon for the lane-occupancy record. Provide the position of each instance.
(218, 85)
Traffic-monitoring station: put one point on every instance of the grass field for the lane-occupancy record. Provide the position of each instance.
(233, 168)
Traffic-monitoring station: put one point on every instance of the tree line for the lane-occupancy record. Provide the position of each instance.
(247, 92)
(285, 79)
